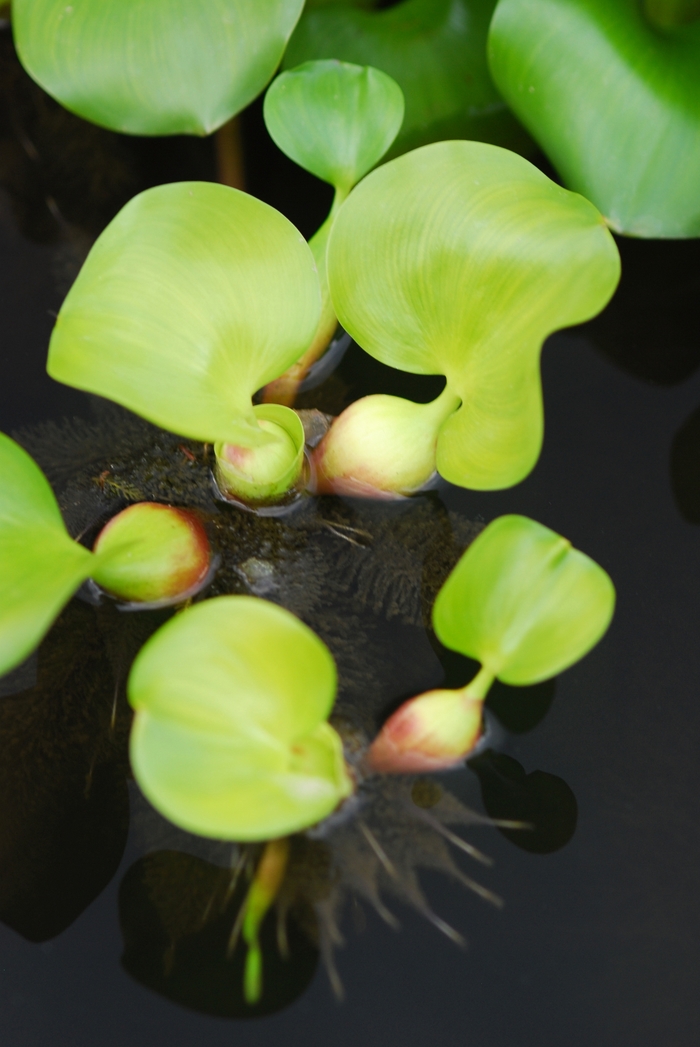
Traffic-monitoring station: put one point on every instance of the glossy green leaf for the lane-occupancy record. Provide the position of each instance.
(523, 603)
(613, 100)
(230, 738)
(434, 49)
(153, 67)
(194, 297)
(40, 564)
(334, 119)
(459, 259)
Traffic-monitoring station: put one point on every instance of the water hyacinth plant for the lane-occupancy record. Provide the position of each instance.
(458, 259)
(158, 68)
(610, 89)
(146, 554)
(233, 300)
(228, 741)
(524, 604)
(336, 120)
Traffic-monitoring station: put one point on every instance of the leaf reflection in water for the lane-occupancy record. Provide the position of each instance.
(65, 778)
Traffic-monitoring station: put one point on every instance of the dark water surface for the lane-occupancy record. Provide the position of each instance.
(599, 940)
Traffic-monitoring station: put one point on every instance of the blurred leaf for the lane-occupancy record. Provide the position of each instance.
(459, 259)
(523, 603)
(163, 67)
(40, 564)
(193, 298)
(230, 738)
(334, 119)
(436, 52)
(613, 101)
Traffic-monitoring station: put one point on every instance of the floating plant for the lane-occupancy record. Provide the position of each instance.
(233, 299)
(611, 91)
(459, 258)
(231, 740)
(159, 68)
(336, 120)
(523, 603)
(436, 52)
(147, 553)
(228, 740)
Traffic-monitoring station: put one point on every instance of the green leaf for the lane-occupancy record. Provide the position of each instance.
(614, 102)
(153, 67)
(230, 738)
(40, 564)
(436, 52)
(523, 603)
(334, 119)
(194, 297)
(460, 258)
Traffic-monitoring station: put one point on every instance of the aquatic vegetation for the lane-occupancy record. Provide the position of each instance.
(525, 605)
(611, 91)
(337, 121)
(233, 300)
(161, 68)
(458, 259)
(146, 553)
(436, 52)
(228, 741)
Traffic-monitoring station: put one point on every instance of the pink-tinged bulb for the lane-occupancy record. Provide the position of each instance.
(379, 447)
(428, 733)
(152, 552)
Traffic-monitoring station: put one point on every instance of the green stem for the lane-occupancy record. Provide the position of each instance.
(479, 686)
(443, 406)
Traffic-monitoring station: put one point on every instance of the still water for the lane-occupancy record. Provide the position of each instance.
(598, 941)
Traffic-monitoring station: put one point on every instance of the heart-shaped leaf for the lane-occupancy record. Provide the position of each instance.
(459, 259)
(436, 52)
(40, 564)
(230, 738)
(614, 101)
(523, 603)
(158, 67)
(194, 297)
(334, 119)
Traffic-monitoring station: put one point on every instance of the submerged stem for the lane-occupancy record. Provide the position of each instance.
(262, 893)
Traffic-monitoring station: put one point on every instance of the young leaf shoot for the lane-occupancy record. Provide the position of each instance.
(230, 738)
(611, 91)
(436, 52)
(335, 120)
(232, 300)
(523, 603)
(159, 67)
(147, 553)
(459, 258)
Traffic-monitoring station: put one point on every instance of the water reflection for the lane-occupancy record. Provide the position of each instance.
(370, 601)
(652, 326)
(177, 912)
(63, 796)
(542, 800)
(685, 468)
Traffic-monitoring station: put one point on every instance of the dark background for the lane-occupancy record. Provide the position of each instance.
(599, 942)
